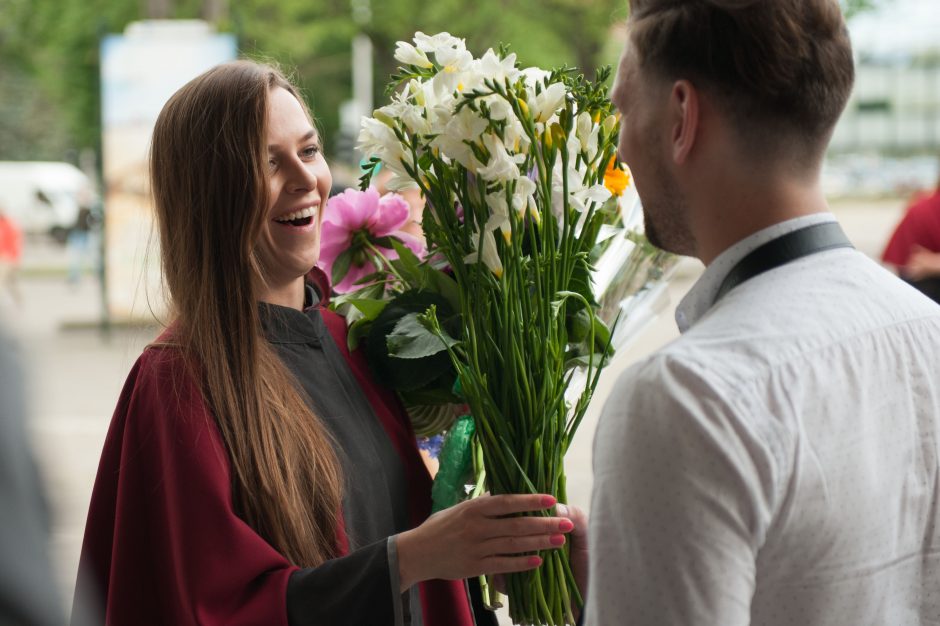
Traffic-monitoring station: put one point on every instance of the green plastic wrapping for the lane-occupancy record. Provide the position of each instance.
(450, 483)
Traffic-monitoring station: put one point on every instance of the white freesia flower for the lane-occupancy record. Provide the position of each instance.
(378, 139)
(499, 214)
(586, 133)
(433, 43)
(455, 64)
(533, 76)
(523, 195)
(498, 107)
(546, 104)
(491, 66)
(465, 126)
(412, 116)
(376, 136)
(409, 55)
(502, 166)
(579, 195)
(489, 254)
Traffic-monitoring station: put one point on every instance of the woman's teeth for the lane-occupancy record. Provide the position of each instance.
(298, 218)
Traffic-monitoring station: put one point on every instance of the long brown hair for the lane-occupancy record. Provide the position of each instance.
(209, 177)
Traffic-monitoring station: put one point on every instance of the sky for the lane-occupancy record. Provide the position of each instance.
(897, 28)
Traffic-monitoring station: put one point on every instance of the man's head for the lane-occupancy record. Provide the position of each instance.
(767, 77)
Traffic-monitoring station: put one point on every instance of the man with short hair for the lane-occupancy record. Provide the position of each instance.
(778, 463)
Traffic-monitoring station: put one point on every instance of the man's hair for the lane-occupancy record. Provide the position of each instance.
(779, 68)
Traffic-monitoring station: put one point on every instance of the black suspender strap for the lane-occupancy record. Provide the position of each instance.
(783, 250)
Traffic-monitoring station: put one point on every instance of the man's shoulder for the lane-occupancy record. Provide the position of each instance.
(807, 303)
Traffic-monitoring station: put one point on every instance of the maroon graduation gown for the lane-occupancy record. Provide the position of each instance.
(163, 544)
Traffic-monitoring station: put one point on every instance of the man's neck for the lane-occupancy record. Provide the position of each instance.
(721, 219)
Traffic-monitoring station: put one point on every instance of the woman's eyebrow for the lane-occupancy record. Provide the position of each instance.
(310, 135)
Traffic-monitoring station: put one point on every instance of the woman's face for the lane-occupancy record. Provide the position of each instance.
(300, 185)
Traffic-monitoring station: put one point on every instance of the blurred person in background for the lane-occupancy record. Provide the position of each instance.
(253, 472)
(81, 244)
(28, 593)
(913, 250)
(11, 251)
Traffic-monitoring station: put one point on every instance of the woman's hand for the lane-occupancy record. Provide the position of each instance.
(476, 537)
(578, 552)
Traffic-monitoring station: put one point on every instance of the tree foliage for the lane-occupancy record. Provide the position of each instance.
(49, 65)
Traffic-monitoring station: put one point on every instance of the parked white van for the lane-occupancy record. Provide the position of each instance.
(42, 197)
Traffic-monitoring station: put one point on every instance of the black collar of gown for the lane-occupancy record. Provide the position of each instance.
(285, 325)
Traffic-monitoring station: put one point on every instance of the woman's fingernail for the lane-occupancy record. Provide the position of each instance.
(566, 526)
(535, 561)
(557, 540)
(548, 501)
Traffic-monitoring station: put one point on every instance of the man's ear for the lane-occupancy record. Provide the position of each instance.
(684, 113)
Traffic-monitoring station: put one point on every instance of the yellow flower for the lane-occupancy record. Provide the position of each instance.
(615, 178)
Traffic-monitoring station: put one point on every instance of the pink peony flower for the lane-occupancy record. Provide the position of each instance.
(355, 218)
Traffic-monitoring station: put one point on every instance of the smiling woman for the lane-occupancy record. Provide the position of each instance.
(299, 182)
(254, 473)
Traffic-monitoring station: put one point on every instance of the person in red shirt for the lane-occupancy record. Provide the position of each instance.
(914, 248)
(11, 250)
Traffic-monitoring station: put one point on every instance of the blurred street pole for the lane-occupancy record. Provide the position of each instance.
(351, 112)
(157, 9)
(214, 11)
(362, 59)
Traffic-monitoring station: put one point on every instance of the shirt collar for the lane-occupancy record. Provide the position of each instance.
(283, 324)
(702, 296)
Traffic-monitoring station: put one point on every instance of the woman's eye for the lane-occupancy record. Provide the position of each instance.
(272, 164)
(311, 151)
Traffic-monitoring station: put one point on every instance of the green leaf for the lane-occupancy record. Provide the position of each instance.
(410, 374)
(357, 330)
(341, 266)
(583, 361)
(444, 285)
(601, 335)
(420, 275)
(413, 340)
(370, 292)
(408, 264)
(369, 307)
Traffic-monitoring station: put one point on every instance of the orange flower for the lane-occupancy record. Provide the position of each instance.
(615, 178)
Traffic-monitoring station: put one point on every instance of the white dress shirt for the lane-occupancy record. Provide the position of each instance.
(778, 463)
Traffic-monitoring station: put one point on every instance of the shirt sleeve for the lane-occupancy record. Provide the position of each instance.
(682, 500)
(355, 590)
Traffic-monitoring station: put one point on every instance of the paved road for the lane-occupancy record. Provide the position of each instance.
(76, 376)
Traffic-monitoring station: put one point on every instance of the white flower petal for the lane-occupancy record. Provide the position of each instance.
(409, 55)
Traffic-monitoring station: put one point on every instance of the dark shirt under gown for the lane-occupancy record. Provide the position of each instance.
(375, 489)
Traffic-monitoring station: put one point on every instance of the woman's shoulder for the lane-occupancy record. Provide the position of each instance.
(163, 382)
(162, 407)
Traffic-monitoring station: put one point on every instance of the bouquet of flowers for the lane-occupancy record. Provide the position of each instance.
(520, 177)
